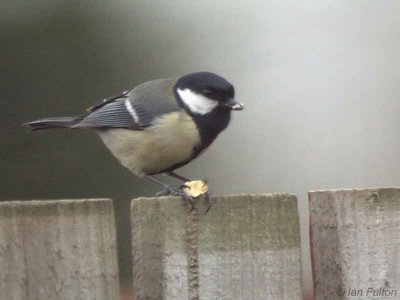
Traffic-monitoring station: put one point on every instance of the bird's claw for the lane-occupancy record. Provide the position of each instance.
(208, 197)
(209, 200)
(178, 191)
(171, 190)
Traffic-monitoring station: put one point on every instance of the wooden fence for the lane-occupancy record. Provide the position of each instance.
(247, 247)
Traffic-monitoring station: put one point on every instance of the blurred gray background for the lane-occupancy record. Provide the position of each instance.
(320, 81)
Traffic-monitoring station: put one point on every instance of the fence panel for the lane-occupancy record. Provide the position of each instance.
(247, 247)
(355, 243)
(58, 249)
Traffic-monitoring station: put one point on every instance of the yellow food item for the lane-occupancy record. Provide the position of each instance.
(195, 188)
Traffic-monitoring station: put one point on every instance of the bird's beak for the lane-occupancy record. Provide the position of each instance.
(233, 104)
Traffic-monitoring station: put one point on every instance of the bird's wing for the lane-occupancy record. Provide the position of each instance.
(107, 101)
(134, 110)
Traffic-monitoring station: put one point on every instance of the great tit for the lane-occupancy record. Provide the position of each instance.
(159, 125)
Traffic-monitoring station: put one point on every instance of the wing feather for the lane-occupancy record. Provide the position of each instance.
(116, 115)
(136, 109)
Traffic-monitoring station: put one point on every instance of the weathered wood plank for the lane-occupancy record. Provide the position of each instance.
(58, 249)
(247, 247)
(355, 243)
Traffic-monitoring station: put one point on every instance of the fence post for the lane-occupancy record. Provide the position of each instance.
(355, 243)
(247, 247)
(58, 249)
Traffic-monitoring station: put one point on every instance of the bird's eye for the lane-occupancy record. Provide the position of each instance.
(207, 93)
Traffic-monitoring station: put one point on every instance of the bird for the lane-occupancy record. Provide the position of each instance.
(158, 126)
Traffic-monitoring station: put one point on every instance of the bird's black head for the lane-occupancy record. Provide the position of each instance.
(203, 92)
(209, 99)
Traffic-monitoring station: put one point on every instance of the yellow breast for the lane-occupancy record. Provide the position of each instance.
(168, 142)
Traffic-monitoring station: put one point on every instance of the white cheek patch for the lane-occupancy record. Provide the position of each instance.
(197, 103)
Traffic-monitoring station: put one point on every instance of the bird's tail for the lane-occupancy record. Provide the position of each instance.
(50, 123)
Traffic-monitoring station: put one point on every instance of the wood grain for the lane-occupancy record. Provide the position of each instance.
(248, 248)
(355, 243)
(58, 249)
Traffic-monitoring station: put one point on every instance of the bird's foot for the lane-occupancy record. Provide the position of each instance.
(197, 188)
(188, 195)
(178, 191)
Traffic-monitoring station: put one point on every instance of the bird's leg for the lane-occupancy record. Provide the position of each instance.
(171, 190)
(206, 194)
(177, 176)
